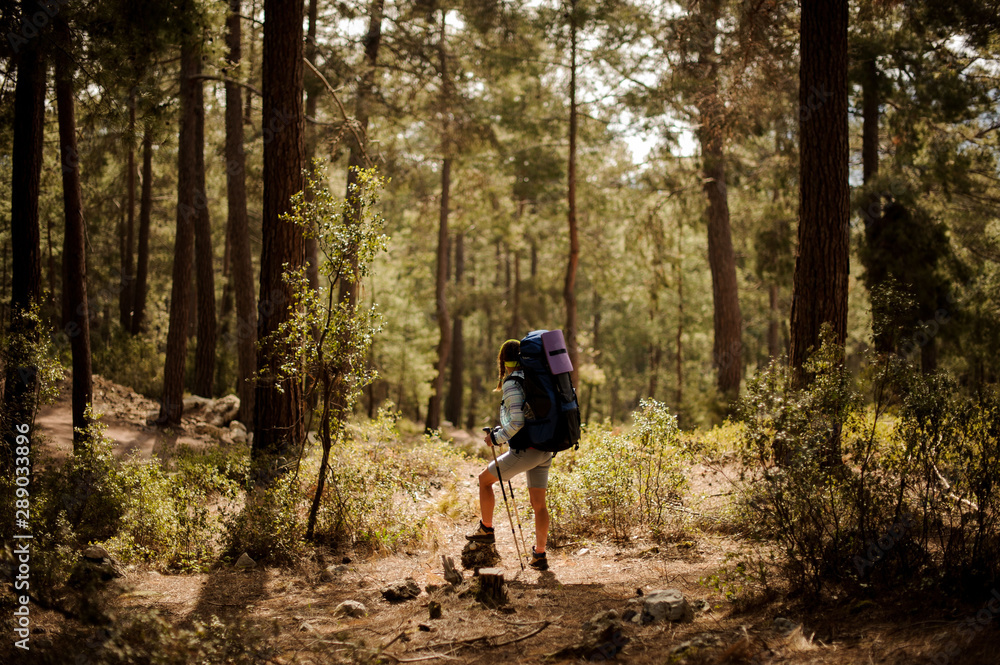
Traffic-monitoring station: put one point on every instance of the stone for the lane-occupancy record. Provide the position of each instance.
(238, 433)
(196, 403)
(223, 410)
(601, 638)
(245, 562)
(206, 429)
(351, 608)
(434, 609)
(398, 592)
(666, 605)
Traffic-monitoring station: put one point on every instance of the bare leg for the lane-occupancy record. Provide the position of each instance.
(537, 496)
(487, 500)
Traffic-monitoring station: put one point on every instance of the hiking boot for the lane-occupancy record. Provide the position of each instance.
(538, 561)
(483, 534)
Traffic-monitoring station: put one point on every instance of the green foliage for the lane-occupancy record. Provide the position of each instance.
(379, 487)
(863, 494)
(270, 525)
(618, 480)
(149, 638)
(134, 508)
(131, 360)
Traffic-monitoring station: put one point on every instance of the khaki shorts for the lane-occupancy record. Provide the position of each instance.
(534, 462)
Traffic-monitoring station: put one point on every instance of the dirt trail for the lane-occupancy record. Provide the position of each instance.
(124, 413)
(546, 609)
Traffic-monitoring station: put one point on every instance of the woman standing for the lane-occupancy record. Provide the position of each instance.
(520, 458)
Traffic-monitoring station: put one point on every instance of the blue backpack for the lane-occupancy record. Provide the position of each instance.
(549, 392)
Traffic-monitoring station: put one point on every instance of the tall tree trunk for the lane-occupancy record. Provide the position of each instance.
(20, 399)
(142, 258)
(774, 320)
(822, 267)
(433, 421)
(127, 296)
(172, 404)
(870, 112)
(204, 262)
(237, 228)
(358, 156)
(569, 287)
(444, 322)
(77, 323)
(727, 352)
(310, 139)
(456, 385)
(278, 408)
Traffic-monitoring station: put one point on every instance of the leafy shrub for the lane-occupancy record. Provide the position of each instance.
(378, 488)
(620, 480)
(867, 494)
(131, 360)
(271, 524)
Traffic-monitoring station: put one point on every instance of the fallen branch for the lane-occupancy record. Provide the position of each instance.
(545, 624)
(947, 488)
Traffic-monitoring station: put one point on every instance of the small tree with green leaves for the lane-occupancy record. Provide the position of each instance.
(325, 342)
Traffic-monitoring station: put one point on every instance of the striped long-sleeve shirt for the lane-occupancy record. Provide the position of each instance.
(513, 410)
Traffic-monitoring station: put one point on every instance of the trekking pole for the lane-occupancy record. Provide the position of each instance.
(524, 545)
(507, 505)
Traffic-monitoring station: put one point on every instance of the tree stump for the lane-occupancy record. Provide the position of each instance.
(492, 588)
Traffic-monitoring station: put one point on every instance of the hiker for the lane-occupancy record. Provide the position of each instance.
(520, 458)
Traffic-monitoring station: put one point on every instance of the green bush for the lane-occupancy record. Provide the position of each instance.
(131, 360)
(619, 481)
(271, 524)
(376, 497)
(865, 493)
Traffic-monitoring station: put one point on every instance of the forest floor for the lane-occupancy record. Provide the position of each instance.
(546, 609)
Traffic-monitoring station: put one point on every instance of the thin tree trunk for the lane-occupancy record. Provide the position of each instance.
(433, 421)
(172, 401)
(822, 267)
(207, 330)
(127, 296)
(278, 406)
(77, 324)
(20, 399)
(456, 385)
(142, 258)
(310, 140)
(569, 287)
(444, 321)
(773, 350)
(679, 356)
(727, 352)
(358, 156)
(237, 228)
(870, 112)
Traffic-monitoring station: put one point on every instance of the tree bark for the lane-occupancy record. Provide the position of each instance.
(20, 400)
(822, 267)
(456, 384)
(727, 353)
(358, 156)
(310, 139)
(237, 228)
(773, 348)
(870, 112)
(278, 406)
(569, 287)
(207, 331)
(172, 401)
(433, 421)
(142, 258)
(77, 323)
(127, 296)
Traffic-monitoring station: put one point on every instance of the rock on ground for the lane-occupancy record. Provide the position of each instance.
(223, 410)
(398, 592)
(351, 608)
(666, 605)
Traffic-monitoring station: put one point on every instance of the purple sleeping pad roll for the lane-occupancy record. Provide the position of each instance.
(555, 352)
